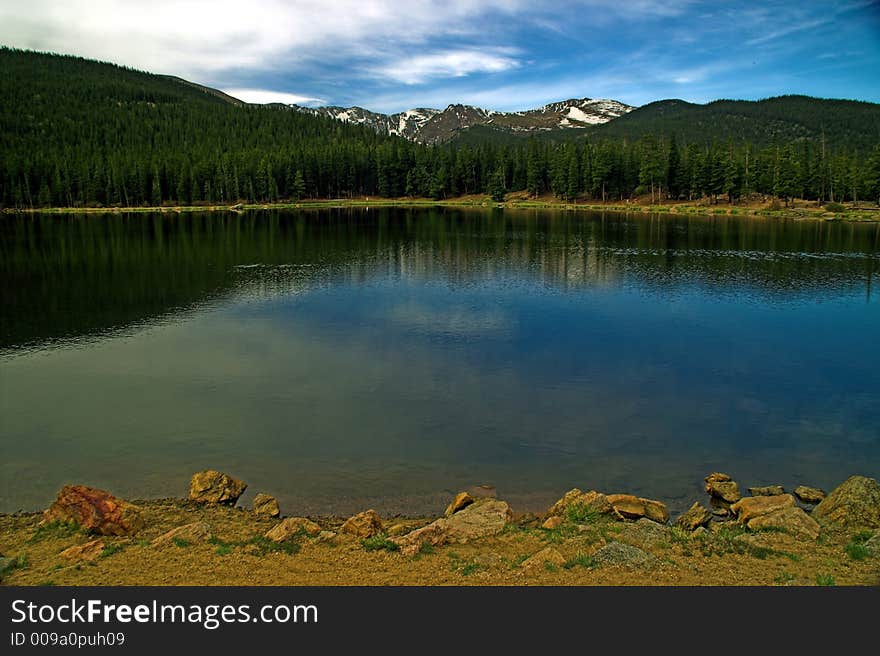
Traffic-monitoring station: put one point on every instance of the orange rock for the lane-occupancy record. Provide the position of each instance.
(87, 552)
(363, 525)
(461, 500)
(627, 505)
(211, 486)
(95, 510)
(552, 522)
(748, 508)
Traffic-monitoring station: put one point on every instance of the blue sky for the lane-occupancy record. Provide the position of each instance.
(499, 54)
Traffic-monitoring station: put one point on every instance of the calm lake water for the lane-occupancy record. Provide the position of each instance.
(387, 358)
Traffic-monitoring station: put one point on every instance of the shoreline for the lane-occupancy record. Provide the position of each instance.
(766, 537)
(797, 213)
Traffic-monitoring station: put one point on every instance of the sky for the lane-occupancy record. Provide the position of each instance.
(499, 54)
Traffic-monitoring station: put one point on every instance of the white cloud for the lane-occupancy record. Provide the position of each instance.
(451, 63)
(263, 96)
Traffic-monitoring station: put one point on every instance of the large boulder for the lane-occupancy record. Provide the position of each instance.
(697, 515)
(809, 494)
(793, 521)
(363, 525)
(483, 518)
(633, 507)
(748, 508)
(265, 504)
(461, 501)
(292, 527)
(855, 503)
(211, 486)
(97, 511)
(767, 491)
(189, 533)
(592, 500)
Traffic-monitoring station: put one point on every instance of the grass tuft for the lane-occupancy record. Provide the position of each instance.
(581, 560)
(825, 580)
(56, 529)
(380, 542)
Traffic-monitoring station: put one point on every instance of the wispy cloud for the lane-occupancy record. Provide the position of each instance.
(263, 96)
(451, 63)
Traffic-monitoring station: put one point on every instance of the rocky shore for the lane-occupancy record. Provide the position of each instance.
(767, 536)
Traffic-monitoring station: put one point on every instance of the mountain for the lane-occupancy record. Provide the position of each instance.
(430, 126)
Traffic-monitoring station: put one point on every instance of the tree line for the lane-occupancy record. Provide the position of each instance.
(79, 133)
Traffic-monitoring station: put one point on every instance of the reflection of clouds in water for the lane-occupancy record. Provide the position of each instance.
(455, 321)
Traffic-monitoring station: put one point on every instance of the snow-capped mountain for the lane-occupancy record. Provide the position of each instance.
(434, 126)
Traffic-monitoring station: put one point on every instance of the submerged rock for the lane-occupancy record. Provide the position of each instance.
(767, 491)
(211, 486)
(809, 494)
(265, 504)
(363, 525)
(461, 501)
(85, 552)
(697, 515)
(195, 532)
(625, 555)
(292, 527)
(94, 510)
(855, 503)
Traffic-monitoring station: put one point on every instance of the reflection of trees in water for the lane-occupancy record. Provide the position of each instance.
(66, 276)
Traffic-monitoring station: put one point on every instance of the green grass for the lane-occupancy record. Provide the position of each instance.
(266, 546)
(111, 549)
(224, 550)
(18, 562)
(379, 542)
(56, 529)
(519, 560)
(469, 568)
(551, 567)
(725, 541)
(180, 542)
(581, 560)
(784, 578)
(579, 513)
(825, 580)
(835, 207)
(857, 551)
(426, 548)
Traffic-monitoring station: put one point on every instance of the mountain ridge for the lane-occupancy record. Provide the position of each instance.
(429, 125)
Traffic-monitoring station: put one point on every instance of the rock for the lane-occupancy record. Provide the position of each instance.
(552, 522)
(617, 553)
(644, 533)
(656, 511)
(326, 536)
(632, 507)
(792, 520)
(86, 552)
(809, 494)
(717, 477)
(727, 491)
(483, 492)
(483, 518)
(292, 527)
(767, 491)
(696, 516)
(748, 508)
(363, 525)
(211, 486)
(544, 556)
(265, 504)
(461, 501)
(855, 503)
(873, 544)
(528, 520)
(195, 532)
(595, 501)
(397, 529)
(95, 510)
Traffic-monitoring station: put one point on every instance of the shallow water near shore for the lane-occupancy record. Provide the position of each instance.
(343, 359)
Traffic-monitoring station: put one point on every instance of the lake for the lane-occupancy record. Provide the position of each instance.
(352, 358)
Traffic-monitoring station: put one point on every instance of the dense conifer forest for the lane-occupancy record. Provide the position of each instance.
(74, 132)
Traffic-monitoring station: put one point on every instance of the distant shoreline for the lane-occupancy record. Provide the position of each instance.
(858, 214)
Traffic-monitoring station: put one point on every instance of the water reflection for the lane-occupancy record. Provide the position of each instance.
(348, 358)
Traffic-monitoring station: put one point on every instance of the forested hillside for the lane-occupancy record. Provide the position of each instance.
(75, 132)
